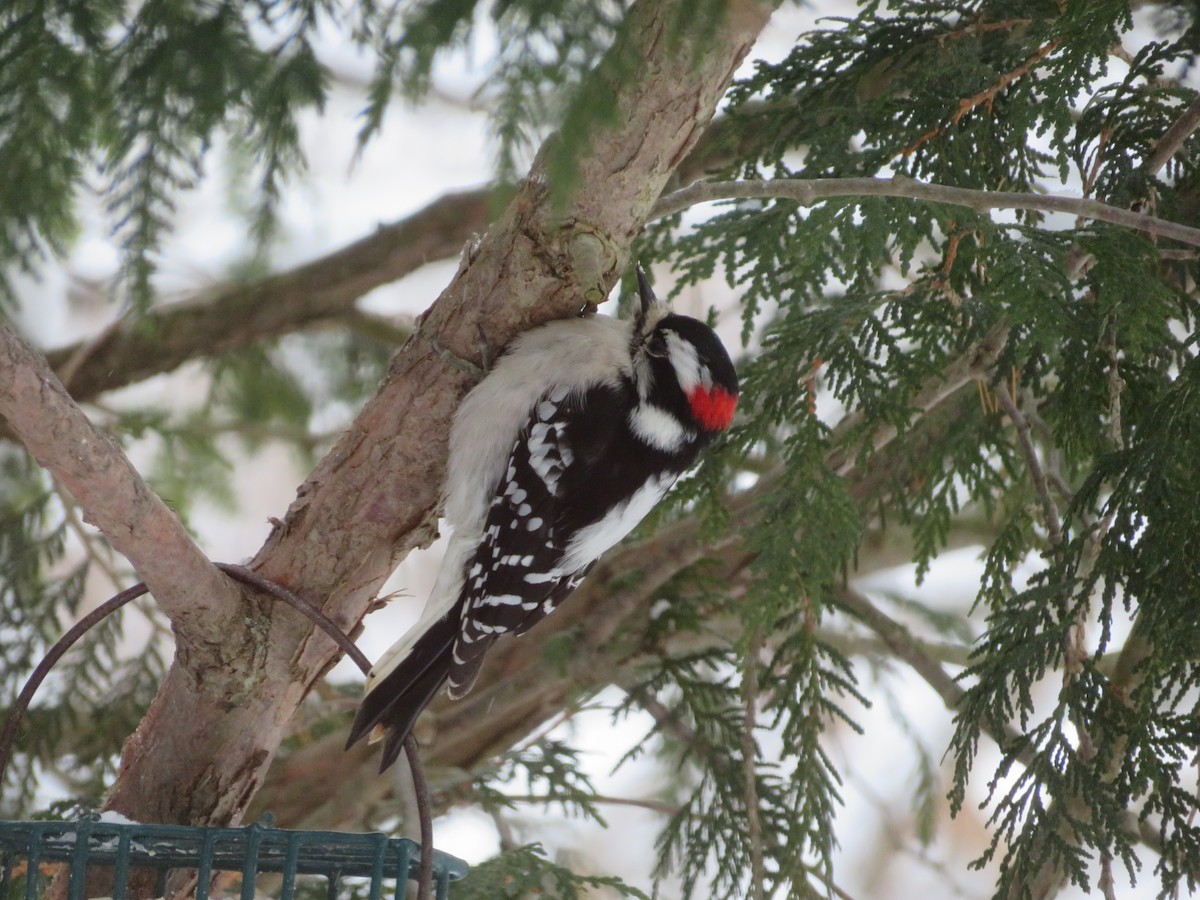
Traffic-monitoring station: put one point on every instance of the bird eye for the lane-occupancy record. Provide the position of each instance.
(656, 345)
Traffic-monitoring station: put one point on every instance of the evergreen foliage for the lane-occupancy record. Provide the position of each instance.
(525, 872)
(1070, 451)
(98, 692)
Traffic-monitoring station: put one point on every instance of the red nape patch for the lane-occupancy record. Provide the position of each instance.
(713, 408)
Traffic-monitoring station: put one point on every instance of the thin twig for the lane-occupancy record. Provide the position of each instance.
(987, 96)
(806, 192)
(1173, 138)
(902, 643)
(971, 365)
(754, 830)
(1050, 514)
(508, 840)
(1116, 385)
(665, 719)
(424, 816)
(975, 28)
(1051, 465)
(944, 652)
(1106, 877)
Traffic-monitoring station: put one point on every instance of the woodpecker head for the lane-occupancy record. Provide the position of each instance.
(682, 368)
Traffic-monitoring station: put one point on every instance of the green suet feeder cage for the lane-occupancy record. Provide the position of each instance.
(32, 854)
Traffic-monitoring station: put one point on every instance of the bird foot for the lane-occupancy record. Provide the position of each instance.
(465, 365)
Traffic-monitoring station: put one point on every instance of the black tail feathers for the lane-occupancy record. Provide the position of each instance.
(397, 700)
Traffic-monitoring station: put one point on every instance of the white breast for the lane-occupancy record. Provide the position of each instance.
(591, 542)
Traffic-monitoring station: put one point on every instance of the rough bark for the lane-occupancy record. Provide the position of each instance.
(90, 464)
(200, 754)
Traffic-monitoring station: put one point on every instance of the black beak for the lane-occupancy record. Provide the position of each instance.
(646, 293)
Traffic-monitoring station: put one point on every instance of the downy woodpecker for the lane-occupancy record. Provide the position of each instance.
(571, 439)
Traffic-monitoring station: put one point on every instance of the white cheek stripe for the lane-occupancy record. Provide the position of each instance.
(658, 428)
(682, 355)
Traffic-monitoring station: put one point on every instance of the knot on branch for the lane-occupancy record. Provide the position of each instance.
(593, 258)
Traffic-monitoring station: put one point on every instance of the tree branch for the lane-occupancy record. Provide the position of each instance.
(758, 872)
(806, 192)
(903, 644)
(113, 496)
(1173, 138)
(1050, 516)
(970, 366)
(167, 336)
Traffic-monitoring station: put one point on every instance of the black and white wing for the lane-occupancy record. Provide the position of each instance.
(521, 569)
